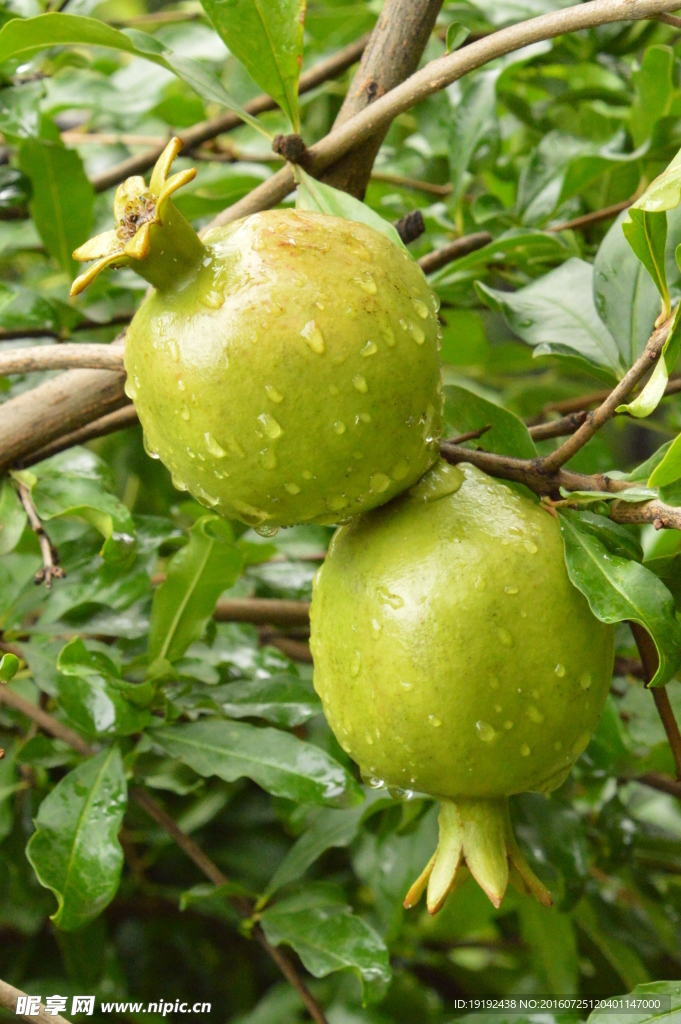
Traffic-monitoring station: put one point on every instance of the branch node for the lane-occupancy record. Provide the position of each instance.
(291, 147)
(410, 227)
(51, 569)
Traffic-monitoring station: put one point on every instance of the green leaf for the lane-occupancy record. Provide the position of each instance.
(9, 666)
(646, 233)
(664, 193)
(556, 315)
(24, 37)
(281, 699)
(466, 411)
(620, 955)
(668, 568)
(197, 575)
(648, 993)
(75, 850)
(279, 762)
(669, 469)
(12, 517)
(328, 937)
(624, 294)
(473, 119)
(457, 34)
(649, 398)
(619, 590)
(654, 84)
(77, 483)
(315, 195)
(62, 198)
(267, 37)
(95, 697)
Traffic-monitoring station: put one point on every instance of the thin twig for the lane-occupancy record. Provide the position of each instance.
(51, 569)
(558, 428)
(9, 997)
(595, 217)
(582, 402)
(47, 722)
(596, 419)
(432, 261)
(331, 67)
(650, 661)
(50, 332)
(658, 781)
(472, 435)
(60, 357)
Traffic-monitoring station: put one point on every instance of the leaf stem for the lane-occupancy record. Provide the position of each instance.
(51, 569)
(649, 660)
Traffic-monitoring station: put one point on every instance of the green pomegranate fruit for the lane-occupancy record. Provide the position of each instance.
(285, 368)
(454, 657)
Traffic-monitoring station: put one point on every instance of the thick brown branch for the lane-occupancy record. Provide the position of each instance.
(51, 569)
(391, 55)
(119, 420)
(199, 133)
(263, 611)
(606, 410)
(60, 357)
(658, 781)
(9, 997)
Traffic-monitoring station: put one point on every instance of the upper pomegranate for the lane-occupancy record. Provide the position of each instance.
(285, 368)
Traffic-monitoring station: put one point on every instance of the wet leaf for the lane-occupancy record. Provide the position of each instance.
(315, 195)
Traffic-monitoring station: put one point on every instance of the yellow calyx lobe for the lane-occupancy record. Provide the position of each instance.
(139, 212)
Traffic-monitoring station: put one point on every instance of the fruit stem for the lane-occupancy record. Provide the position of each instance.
(476, 836)
(175, 251)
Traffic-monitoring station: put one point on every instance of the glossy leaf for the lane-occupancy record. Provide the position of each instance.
(267, 37)
(457, 34)
(24, 37)
(197, 575)
(624, 293)
(465, 411)
(328, 937)
(654, 84)
(664, 193)
(619, 590)
(12, 517)
(95, 697)
(315, 195)
(62, 196)
(473, 120)
(75, 850)
(76, 483)
(668, 470)
(556, 315)
(282, 700)
(646, 233)
(647, 993)
(277, 761)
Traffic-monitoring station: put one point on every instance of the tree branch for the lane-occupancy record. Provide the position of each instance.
(391, 55)
(650, 661)
(110, 424)
(60, 357)
(432, 261)
(9, 997)
(596, 419)
(199, 133)
(51, 569)
(48, 332)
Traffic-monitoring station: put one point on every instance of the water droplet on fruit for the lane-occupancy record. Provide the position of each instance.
(268, 458)
(530, 546)
(265, 530)
(379, 483)
(420, 308)
(190, 453)
(355, 663)
(535, 715)
(417, 334)
(480, 583)
(130, 389)
(498, 708)
(273, 394)
(369, 738)
(511, 590)
(370, 349)
(181, 385)
(359, 382)
(270, 425)
(508, 725)
(376, 628)
(151, 452)
(388, 336)
(306, 474)
(174, 350)
(178, 484)
(406, 686)
(314, 337)
(367, 284)
(213, 447)
(339, 427)
(403, 324)
(494, 682)
(505, 637)
(585, 681)
(365, 417)
(185, 413)
(334, 389)
(206, 499)
(292, 488)
(399, 470)
(560, 670)
(525, 750)
(434, 721)
(485, 732)
(337, 503)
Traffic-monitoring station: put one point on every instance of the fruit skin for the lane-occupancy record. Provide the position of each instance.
(295, 377)
(423, 656)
